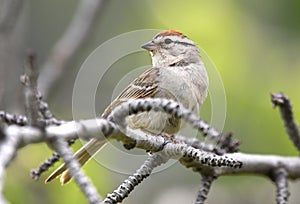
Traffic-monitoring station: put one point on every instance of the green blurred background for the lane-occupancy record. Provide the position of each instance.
(255, 46)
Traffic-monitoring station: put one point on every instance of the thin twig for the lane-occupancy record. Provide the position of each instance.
(48, 119)
(129, 184)
(280, 179)
(43, 107)
(285, 107)
(227, 144)
(206, 181)
(74, 167)
(69, 43)
(8, 150)
(29, 80)
(11, 119)
(36, 173)
(10, 11)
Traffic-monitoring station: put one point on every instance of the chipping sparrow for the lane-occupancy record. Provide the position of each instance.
(178, 73)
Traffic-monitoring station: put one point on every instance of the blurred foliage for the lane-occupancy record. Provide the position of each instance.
(255, 46)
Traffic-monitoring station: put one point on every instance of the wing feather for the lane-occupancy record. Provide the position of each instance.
(144, 86)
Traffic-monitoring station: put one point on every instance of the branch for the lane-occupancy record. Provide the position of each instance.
(115, 128)
(205, 185)
(12, 119)
(29, 80)
(129, 184)
(85, 129)
(56, 135)
(69, 43)
(8, 150)
(291, 127)
(74, 168)
(256, 164)
(280, 179)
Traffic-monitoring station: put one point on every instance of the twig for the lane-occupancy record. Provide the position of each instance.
(8, 150)
(129, 184)
(43, 107)
(206, 181)
(9, 14)
(69, 43)
(48, 119)
(285, 107)
(36, 173)
(11, 119)
(279, 177)
(29, 80)
(74, 167)
(227, 144)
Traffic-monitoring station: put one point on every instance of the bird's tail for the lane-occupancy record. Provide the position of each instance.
(83, 155)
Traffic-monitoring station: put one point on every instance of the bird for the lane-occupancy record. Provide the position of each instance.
(177, 73)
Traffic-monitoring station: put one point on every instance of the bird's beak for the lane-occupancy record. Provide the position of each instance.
(150, 46)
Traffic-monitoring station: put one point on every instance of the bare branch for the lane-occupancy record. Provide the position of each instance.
(257, 164)
(8, 150)
(69, 43)
(74, 168)
(285, 107)
(11, 119)
(86, 129)
(36, 173)
(227, 144)
(205, 185)
(190, 156)
(29, 80)
(10, 11)
(279, 177)
(44, 108)
(129, 184)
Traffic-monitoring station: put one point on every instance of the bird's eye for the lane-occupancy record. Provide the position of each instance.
(168, 41)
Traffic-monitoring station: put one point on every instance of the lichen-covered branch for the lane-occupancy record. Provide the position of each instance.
(12, 119)
(36, 173)
(8, 150)
(129, 184)
(190, 152)
(205, 184)
(292, 129)
(261, 165)
(74, 167)
(280, 179)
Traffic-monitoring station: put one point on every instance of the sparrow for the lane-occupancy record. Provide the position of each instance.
(177, 73)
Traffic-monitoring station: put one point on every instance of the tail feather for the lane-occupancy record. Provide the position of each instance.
(83, 155)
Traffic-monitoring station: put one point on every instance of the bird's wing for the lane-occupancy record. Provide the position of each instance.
(144, 86)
